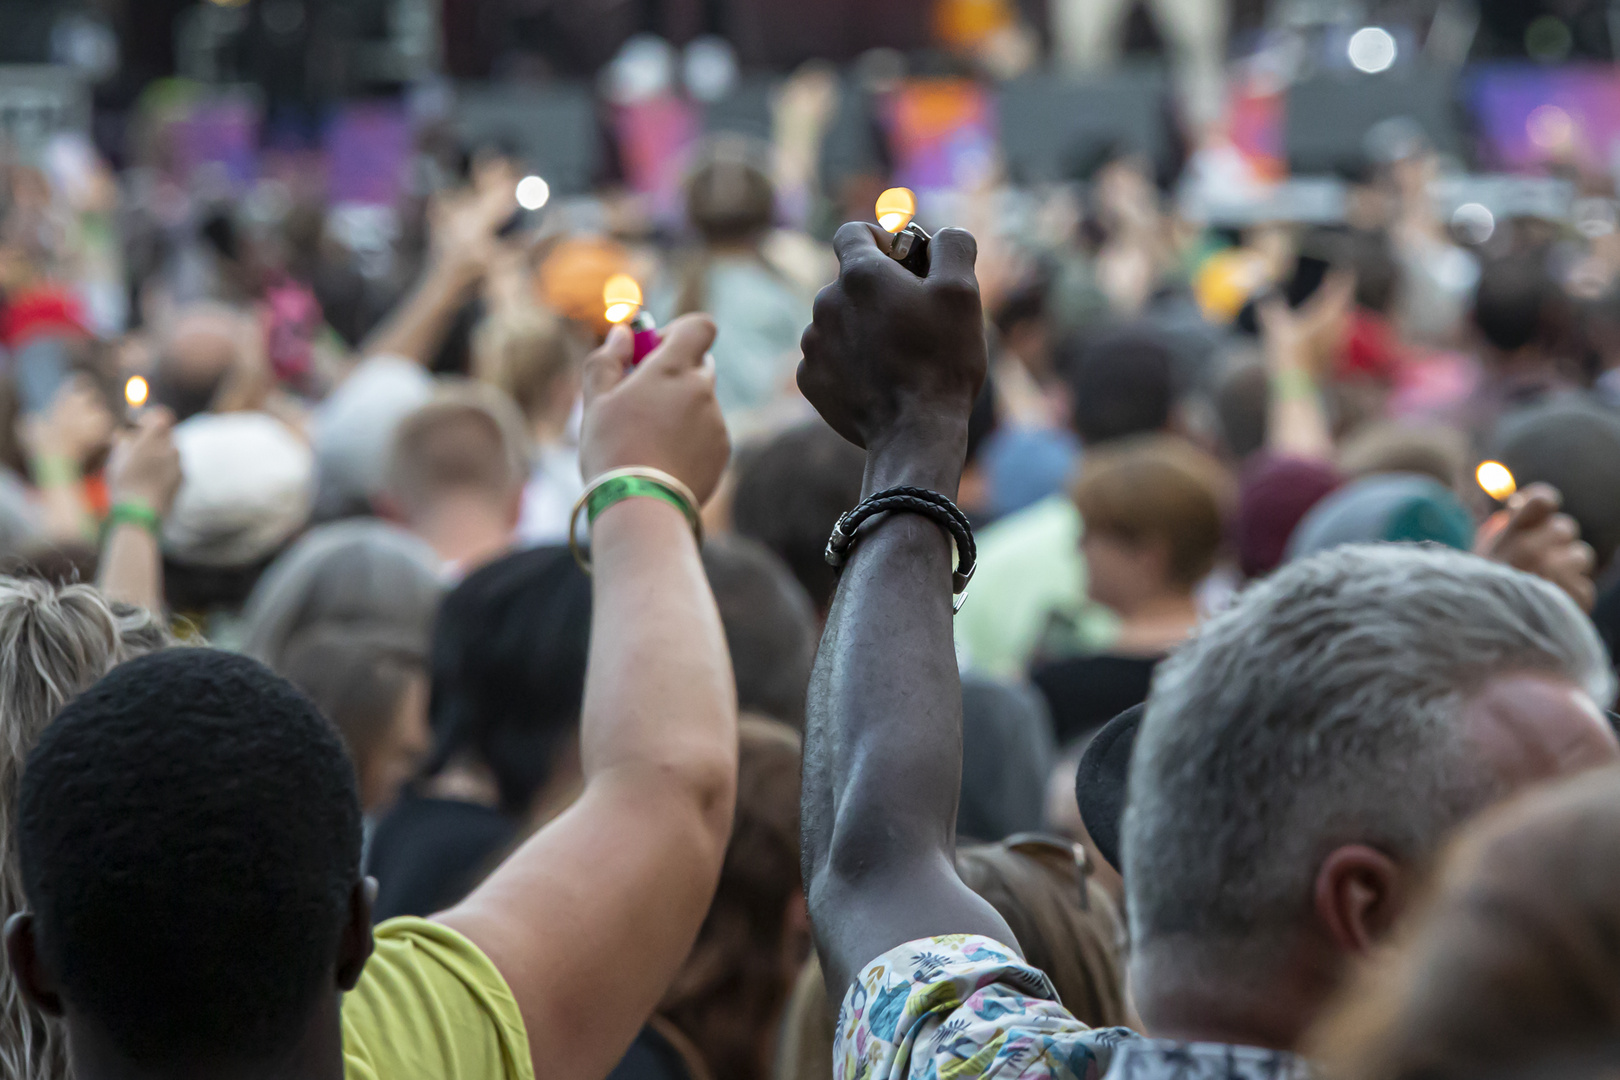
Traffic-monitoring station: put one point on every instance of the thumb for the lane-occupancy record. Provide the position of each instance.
(1534, 505)
(951, 255)
(685, 343)
(605, 368)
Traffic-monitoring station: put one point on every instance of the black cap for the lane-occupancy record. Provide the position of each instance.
(1099, 783)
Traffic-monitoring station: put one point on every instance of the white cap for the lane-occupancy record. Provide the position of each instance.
(248, 489)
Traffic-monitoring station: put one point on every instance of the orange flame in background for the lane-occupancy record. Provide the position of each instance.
(895, 209)
(1497, 481)
(622, 296)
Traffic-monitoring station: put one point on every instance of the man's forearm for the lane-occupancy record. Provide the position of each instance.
(884, 756)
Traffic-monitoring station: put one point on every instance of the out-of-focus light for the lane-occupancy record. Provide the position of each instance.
(229, 3)
(533, 193)
(622, 296)
(136, 391)
(1474, 222)
(895, 209)
(1549, 127)
(1372, 49)
(1497, 481)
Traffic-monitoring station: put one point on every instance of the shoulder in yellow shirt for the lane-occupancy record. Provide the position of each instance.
(430, 1006)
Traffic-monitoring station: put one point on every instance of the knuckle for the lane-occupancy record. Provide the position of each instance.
(956, 289)
(860, 277)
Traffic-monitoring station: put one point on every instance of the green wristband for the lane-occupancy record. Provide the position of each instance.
(134, 512)
(1293, 385)
(631, 483)
(631, 487)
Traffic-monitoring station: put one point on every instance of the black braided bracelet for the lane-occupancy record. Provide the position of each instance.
(910, 500)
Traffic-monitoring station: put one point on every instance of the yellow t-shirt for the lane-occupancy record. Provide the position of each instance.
(430, 1006)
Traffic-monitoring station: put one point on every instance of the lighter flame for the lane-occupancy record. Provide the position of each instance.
(1497, 481)
(136, 391)
(895, 209)
(622, 296)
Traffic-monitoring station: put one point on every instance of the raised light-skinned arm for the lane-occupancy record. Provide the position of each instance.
(145, 470)
(893, 363)
(464, 226)
(591, 918)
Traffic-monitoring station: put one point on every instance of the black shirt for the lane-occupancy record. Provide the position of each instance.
(1085, 692)
(428, 854)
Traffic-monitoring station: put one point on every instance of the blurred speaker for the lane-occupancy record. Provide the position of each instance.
(1334, 120)
(552, 129)
(1055, 129)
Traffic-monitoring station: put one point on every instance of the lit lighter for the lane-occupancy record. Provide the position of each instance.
(622, 296)
(136, 391)
(1496, 479)
(895, 210)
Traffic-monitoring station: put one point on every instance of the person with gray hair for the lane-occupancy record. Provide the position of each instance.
(54, 642)
(360, 572)
(1312, 748)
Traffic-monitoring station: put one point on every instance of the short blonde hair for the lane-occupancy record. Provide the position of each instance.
(1158, 487)
(469, 435)
(55, 641)
(526, 353)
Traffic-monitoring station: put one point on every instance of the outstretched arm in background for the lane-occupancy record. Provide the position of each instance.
(590, 919)
(144, 471)
(893, 363)
(465, 227)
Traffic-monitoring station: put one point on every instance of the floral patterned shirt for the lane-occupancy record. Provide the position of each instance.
(962, 1007)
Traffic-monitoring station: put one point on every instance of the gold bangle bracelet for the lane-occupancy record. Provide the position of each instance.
(629, 483)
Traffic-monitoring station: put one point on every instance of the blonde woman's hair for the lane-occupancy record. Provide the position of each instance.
(55, 641)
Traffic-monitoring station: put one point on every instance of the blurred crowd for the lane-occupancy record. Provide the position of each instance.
(241, 423)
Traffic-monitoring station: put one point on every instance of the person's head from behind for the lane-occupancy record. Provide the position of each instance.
(1514, 306)
(1312, 747)
(55, 640)
(537, 359)
(1508, 969)
(360, 572)
(770, 626)
(507, 669)
(371, 682)
(730, 199)
(1573, 445)
(790, 493)
(729, 995)
(249, 483)
(1065, 924)
(199, 354)
(1153, 510)
(1122, 383)
(456, 472)
(190, 839)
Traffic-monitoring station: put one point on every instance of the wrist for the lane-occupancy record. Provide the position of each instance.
(135, 512)
(927, 453)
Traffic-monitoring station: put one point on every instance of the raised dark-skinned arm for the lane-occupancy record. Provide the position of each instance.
(893, 362)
